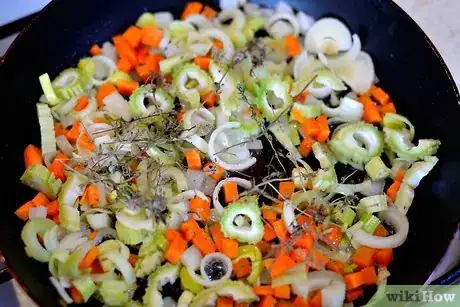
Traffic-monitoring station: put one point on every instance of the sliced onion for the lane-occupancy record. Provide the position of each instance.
(198, 142)
(238, 18)
(64, 145)
(191, 258)
(73, 240)
(290, 18)
(209, 185)
(104, 67)
(229, 49)
(176, 174)
(123, 266)
(347, 57)
(215, 157)
(395, 218)
(60, 289)
(199, 21)
(252, 9)
(116, 104)
(50, 238)
(367, 188)
(215, 196)
(358, 74)
(255, 145)
(329, 31)
(216, 257)
(283, 7)
(109, 51)
(305, 21)
(102, 195)
(195, 179)
(104, 233)
(163, 19)
(38, 211)
(187, 195)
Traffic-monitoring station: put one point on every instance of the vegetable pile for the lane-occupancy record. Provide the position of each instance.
(147, 144)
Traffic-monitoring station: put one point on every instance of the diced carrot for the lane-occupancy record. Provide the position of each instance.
(310, 128)
(298, 116)
(210, 99)
(292, 45)
(299, 255)
(58, 130)
(381, 231)
(269, 214)
(57, 166)
(280, 229)
(230, 248)
(371, 112)
(103, 91)
(175, 250)
(32, 155)
(387, 108)
(380, 95)
(180, 115)
(364, 256)
(171, 234)
(264, 247)
(300, 302)
(324, 130)
(143, 71)
(241, 304)
(400, 175)
(224, 301)
(242, 268)
(132, 259)
(218, 44)
(267, 301)
(203, 243)
(95, 50)
(40, 200)
(202, 62)
(99, 120)
(283, 292)
(318, 259)
(126, 87)
(53, 208)
(306, 242)
(153, 62)
(76, 296)
(354, 294)
(56, 219)
(133, 36)
(82, 103)
(209, 12)
(93, 235)
(191, 8)
(336, 266)
(286, 189)
(125, 65)
(89, 258)
(213, 170)
(200, 207)
(23, 211)
(281, 265)
(190, 229)
(307, 221)
(217, 236)
(302, 97)
(268, 263)
(262, 290)
(281, 251)
(230, 191)
(142, 54)
(151, 36)
(366, 276)
(96, 268)
(124, 49)
(384, 256)
(316, 300)
(306, 146)
(85, 142)
(392, 191)
(74, 132)
(193, 159)
(333, 235)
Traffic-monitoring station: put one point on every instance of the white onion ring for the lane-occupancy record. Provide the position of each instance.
(72, 241)
(214, 156)
(108, 64)
(394, 217)
(215, 195)
(199, 21)
(64, 145)
(187, 195)
(210, 257)
(60, 289)
(229, 49)
(238, 18)
(198, 142)
(330, 29)
(285, 16)
(347, 57)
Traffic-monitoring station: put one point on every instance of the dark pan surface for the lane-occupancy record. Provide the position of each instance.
(408, 65)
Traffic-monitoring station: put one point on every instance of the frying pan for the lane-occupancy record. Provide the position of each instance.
(407, 64)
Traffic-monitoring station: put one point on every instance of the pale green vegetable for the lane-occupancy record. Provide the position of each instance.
(71, 266)
(168, 65)
(349, 110)
(69, 83)
(154, 242)
(404, 198)
(168, 273)
(344, 216)
(148, 264)
(190, 97)
(282, 133)
(288, 278)
(249, 208)
(255, 23)
(180, 30)
(39, 178)
(329, 78)
(165, 154)
(72, 189)
(324, 155)
(237, 290)
(399, 142)
(115, 292)
(48, 90)
(373, 204)
(185, 299)
(325, 180)
(307, 110)
(69, 217)
(356, 143)
(135, 221)
(158, 101)
(146, 19)
(56, 262)
(300, 176)
(85, 286)
(370, 222)
(188, 283)
(274, 99)
(29, 234)
(119, 75)
(398, 122)
(419, 170)
(45, 119)
(254, 254)
(376, 169)
(129, 236)
(123, 266)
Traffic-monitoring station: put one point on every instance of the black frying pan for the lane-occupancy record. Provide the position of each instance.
(407, 63)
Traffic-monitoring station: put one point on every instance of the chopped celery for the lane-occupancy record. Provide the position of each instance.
(238, 38)
(307, 111)
(185, 299)
(71, 266)
(85, 286)
(118, 76)
(129, 236)
(373, 204)
(254, 254)
(404, 197)
(344, 216)
(398, 122)
(288, 278)
(255, 23)
(148, 264)
(153, 242)
(136, 221)
(237, 290)
(146, 19)
(47, 88)
(325, 180)
(87, 65)
(69, 83)
(294, 134)
(115, 292)
(29, 234)
(349, 110)
(350, 267)
(376, 169)
(165, 154)
(399, 142)
(419, 170)
(275, 98)
(72, 189)
(69, 217)
(158, 101)
(39, 178)
(167, 273)
(281, 131)
(190, 98)
(45, 120)
(247, 206)
(168, 65)
(370, 222)
(356, 143)
(324, 155)
(188, 283)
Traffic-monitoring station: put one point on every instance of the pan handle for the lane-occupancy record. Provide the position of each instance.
(4, 273)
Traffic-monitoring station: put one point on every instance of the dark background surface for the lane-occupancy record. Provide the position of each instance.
(407, 64)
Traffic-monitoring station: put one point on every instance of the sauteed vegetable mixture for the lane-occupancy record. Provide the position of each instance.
(239, 157)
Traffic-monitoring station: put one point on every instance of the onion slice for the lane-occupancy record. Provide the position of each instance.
(215, 196)
(60, 289)
(328, 35)
(209, 258)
